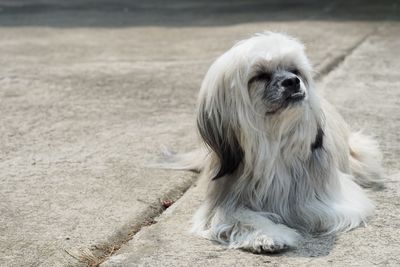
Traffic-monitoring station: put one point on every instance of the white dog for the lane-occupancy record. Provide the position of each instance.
(279, 159)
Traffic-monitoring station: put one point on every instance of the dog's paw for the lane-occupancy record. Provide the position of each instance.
(282, 238)
(266, 244)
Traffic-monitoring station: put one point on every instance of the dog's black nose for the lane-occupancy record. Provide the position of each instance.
(292, 84)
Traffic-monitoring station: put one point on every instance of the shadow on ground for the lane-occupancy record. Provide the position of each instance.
(311, 247)
(180, 13)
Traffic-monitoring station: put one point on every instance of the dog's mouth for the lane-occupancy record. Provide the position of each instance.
(296, 97)
(291, 100)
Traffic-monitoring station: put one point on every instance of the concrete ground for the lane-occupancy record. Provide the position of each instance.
(91, 90)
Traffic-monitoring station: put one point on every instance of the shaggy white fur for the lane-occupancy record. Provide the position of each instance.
(279, 159)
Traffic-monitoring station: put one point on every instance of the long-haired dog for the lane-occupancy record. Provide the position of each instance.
(279, 159)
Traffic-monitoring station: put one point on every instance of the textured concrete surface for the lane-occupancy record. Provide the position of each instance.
(90, 91)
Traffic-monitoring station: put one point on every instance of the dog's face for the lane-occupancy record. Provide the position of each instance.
(247, 90)
(277, 88)
(278, 73)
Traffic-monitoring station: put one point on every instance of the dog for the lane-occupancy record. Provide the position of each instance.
(279, 159)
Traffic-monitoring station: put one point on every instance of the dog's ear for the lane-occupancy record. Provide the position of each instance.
(220, 136)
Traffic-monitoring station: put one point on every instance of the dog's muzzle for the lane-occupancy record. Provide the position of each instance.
(292, 89)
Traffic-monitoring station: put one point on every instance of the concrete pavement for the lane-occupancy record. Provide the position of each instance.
(89, 92)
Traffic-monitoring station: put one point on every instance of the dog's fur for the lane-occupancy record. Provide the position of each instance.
(279, 162)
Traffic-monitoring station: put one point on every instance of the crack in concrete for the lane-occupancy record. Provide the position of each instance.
(100, 252)
(338, 60)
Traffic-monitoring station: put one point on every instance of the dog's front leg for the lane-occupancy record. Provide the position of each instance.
(253, 231)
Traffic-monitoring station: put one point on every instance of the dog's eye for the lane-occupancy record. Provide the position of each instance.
(295, 71)
(264, 76)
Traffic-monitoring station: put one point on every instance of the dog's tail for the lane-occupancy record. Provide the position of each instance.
(190, 161)
(365, 160)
